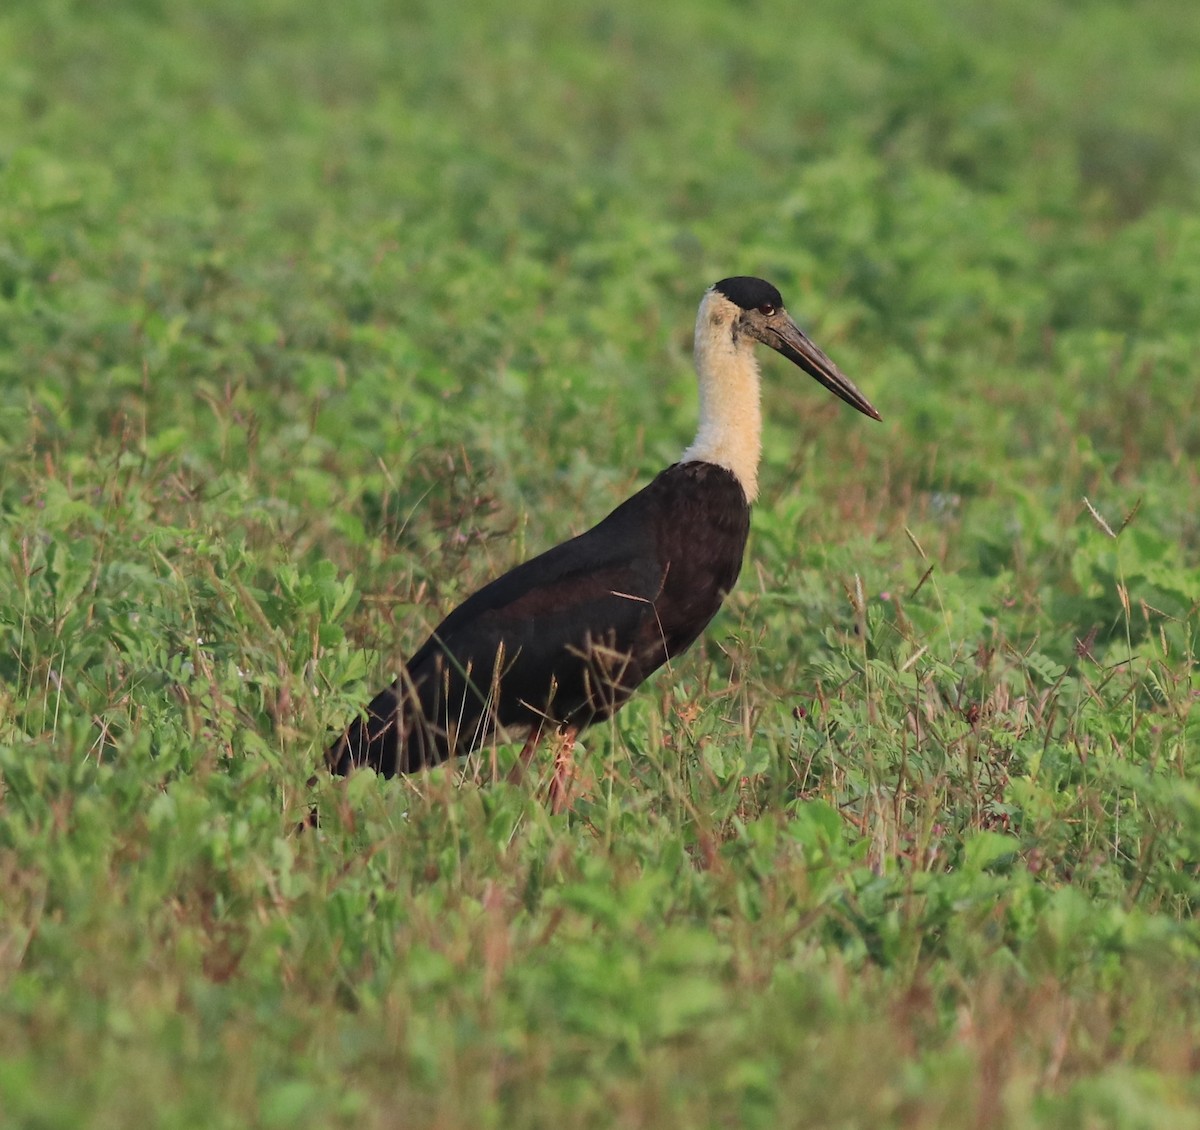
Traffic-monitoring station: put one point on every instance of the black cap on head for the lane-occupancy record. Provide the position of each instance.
(749, 293)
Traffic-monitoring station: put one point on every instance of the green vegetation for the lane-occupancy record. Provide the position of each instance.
(313, 317)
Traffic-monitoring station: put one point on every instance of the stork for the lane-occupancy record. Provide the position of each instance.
(563, 640)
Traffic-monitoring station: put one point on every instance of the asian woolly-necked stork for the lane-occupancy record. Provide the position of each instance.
(564, 639)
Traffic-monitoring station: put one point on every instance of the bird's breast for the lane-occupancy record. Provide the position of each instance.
(701, 522)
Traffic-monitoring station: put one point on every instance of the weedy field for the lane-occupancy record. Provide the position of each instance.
(315, 317)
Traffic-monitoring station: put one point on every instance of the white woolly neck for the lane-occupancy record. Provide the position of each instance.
(730, 431)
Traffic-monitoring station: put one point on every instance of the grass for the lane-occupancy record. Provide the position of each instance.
(314, 318)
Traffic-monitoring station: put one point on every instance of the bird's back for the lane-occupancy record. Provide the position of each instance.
(565, 637)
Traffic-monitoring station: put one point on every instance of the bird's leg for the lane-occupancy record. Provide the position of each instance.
(517, 773)
(564, 771)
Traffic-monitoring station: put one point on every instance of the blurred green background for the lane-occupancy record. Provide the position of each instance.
(315, 317)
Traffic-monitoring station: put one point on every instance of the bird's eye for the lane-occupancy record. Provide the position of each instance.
(766, 308)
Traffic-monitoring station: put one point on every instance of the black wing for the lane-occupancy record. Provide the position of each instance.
(564, 636)
(569, 634)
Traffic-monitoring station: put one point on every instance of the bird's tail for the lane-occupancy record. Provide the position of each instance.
(372, 741)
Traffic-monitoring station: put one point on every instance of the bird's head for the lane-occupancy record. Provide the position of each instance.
(742, 309)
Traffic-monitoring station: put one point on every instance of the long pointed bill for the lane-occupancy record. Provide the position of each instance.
(787, 338)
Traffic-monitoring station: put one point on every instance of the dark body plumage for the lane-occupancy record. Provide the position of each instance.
(564, 639)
